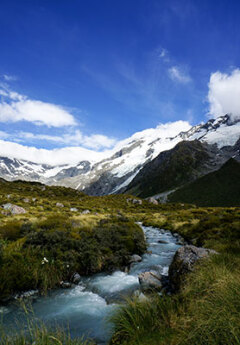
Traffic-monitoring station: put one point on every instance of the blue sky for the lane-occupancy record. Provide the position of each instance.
(90, 73)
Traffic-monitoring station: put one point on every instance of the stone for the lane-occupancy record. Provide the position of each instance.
(135, 258)
(73, 209)
(85, 212)
(162, 241)
(76, 278)
(137, 202)
(34, 199)
(65, 285)
(152, 201)
(14, 209)
(150, 281)
(184, 262)
(26, 200)
(59, 204)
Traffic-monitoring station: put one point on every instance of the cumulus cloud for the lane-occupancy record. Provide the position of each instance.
(16, 107)
(224, 94)
(177, 74)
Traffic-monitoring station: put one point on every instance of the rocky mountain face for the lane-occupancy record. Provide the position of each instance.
(211, 144)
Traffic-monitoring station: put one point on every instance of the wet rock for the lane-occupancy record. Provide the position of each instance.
(150, 281)
(76, 278)
(162, 241)
(152, 201)
(65, 285)
(14, 209)
(59, 204)
(183, 262)
(135, 258)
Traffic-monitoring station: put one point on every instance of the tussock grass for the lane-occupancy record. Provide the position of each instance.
(39, 334)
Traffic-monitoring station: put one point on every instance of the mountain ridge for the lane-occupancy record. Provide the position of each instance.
(117, 170)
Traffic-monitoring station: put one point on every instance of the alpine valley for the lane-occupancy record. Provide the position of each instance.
(150, 155)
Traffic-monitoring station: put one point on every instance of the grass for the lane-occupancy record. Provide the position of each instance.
(39, 334)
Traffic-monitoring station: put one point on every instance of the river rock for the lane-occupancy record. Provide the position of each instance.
(65, 285)
(183, 262)
(135, 258)
(59, 204)
(14, 209)
(150, 281)
(76, 278)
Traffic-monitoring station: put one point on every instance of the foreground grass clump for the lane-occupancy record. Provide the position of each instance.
(41, 335)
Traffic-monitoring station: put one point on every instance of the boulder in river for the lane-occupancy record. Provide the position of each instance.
(150, 281)
(183, 262)
(76, 278)
(65, 285)
(135, 258)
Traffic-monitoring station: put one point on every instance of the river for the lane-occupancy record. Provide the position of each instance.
(85, 308)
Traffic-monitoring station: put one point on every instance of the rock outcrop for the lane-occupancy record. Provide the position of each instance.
(13, 209)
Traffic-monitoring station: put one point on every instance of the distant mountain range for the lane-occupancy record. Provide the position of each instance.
(145, 164)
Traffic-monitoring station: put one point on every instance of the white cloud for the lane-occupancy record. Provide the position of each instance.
(94, 141)
(4, 135)
(16, 107)
(8, 77)
(177, 74)
(224, 94)
(73, 155)
(66, 155)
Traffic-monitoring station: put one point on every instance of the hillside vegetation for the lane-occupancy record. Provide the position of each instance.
(219, 188)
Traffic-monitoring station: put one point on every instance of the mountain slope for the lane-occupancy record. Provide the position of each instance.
(175, 167)
(219, 188)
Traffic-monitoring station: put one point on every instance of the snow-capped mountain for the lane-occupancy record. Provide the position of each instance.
(119, 167)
